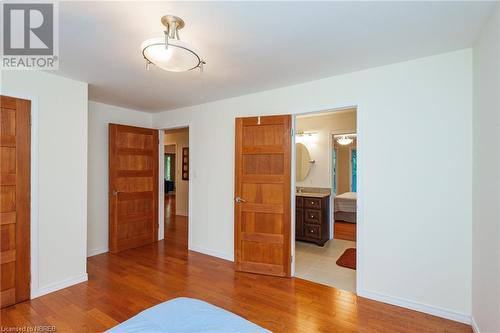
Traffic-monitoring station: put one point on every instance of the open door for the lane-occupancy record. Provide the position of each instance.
(262, 195)
(133, 187)
(15, 167)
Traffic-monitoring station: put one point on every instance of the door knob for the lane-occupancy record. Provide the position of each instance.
(239, 200)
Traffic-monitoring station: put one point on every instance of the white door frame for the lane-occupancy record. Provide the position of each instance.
(161, 176)
(360, 196)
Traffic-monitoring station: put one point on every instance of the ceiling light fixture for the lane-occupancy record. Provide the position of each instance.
(169, 52)
(344, 140)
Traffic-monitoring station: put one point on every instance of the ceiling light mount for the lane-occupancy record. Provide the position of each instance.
(172, 24)
(169, 52)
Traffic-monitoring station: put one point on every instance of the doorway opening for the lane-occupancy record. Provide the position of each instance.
(326, 197)
(176, 188)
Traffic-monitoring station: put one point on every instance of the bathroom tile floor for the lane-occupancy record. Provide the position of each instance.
(318, 264)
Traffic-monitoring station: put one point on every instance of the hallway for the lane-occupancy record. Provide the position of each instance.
(176, 227)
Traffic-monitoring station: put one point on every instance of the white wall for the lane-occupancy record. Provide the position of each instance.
(486, 179)
(99, 116)
(319, 144)
(415, 243)
(181, 140)
(59, 221)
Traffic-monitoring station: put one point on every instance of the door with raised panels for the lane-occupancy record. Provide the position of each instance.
(262, 195)
(15, 143)
(133, 187)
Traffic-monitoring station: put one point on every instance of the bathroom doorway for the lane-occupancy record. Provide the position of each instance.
(325, 198)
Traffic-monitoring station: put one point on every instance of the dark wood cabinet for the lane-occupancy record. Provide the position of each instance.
(311, 219)
(299, 218)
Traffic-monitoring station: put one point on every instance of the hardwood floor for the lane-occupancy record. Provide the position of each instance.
(176, 230)
(344, 230)
(121, 285)
(169, 205)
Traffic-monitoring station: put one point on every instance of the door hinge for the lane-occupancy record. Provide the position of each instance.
(291, 132)
(291, 259)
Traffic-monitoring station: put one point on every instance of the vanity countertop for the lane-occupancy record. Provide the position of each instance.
(312, 194)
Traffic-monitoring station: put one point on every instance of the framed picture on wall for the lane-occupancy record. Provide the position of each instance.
(185, 163)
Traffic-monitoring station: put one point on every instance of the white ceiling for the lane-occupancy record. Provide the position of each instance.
(251, 46)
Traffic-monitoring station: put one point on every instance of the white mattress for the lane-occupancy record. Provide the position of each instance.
(345, 202)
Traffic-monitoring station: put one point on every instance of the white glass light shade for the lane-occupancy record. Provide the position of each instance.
(177, 57)
(344, 140)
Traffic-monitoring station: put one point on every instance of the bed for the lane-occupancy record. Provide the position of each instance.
(345, 207)
(183, 315)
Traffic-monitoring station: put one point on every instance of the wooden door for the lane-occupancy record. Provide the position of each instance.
(15, 142)
(262, 195)
(133, 187)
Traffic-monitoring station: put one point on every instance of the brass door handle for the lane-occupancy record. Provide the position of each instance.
(239, 200)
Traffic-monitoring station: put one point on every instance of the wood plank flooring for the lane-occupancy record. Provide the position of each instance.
(344, 230)
(121, 285)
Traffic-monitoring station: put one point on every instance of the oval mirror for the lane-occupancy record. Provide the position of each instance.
(303, 164)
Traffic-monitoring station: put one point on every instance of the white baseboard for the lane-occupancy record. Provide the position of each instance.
(429, 309)
(59, 285)
(475, 328)
(94, 252)
(212, 253)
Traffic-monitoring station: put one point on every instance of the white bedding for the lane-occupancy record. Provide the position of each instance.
(345, 202)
